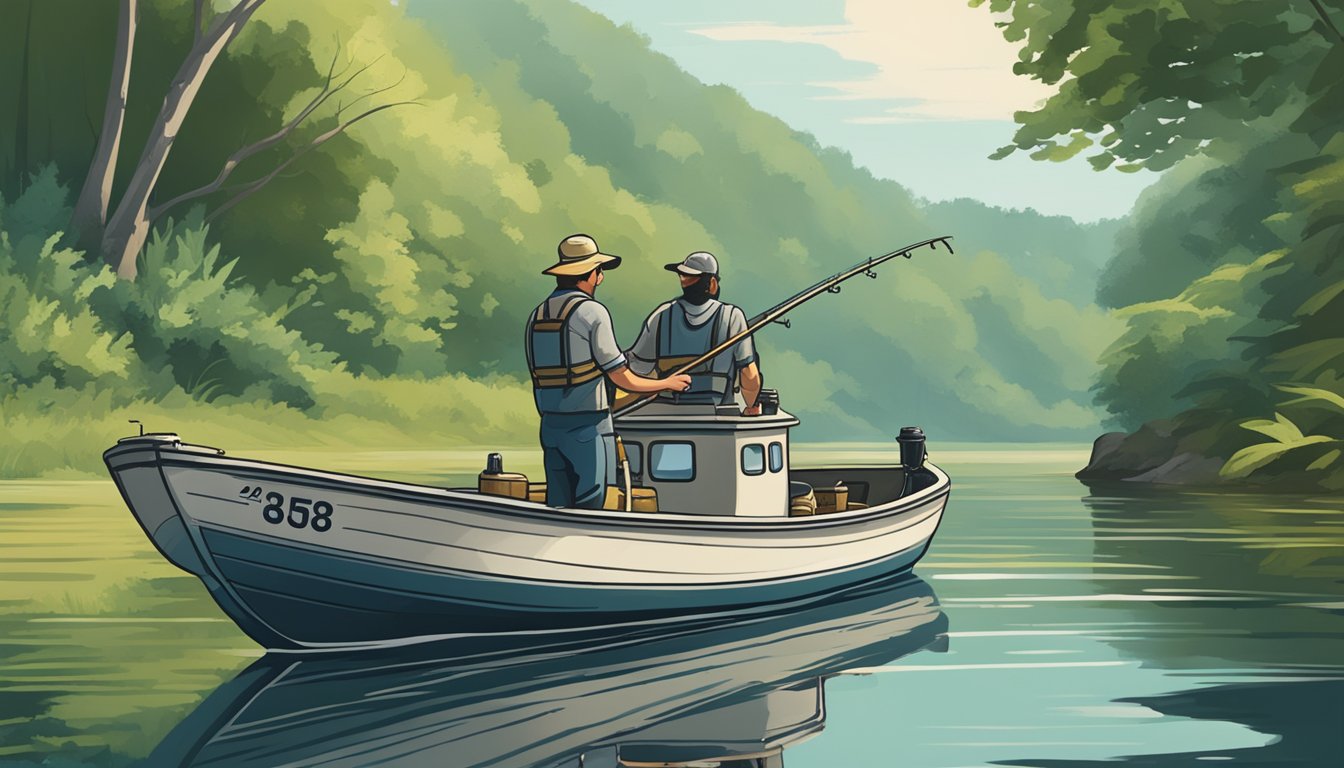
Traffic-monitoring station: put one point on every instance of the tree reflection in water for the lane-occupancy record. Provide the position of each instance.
(1274, 569)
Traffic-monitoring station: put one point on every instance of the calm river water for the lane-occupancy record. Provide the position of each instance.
(1047, 626)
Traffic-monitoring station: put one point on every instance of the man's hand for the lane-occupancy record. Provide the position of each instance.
(752, 410)
(623, 378)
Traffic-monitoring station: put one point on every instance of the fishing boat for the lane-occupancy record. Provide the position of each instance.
(710, 516)
(738, 691)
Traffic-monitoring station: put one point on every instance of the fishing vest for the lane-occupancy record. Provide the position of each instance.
(564, 379)
(679, 342)
(549, 357)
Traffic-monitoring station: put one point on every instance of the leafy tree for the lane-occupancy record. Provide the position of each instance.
(120, 230)
(247, 93)
(1225, 266)
(1149, 84)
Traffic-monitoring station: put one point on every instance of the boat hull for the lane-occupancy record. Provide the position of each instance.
(301, 559)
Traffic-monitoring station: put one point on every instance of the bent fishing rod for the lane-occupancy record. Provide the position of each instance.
(776, 313)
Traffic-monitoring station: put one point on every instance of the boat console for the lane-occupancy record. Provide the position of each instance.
(710, 460)
(705, 459)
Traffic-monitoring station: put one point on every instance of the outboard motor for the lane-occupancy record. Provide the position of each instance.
(913, 453)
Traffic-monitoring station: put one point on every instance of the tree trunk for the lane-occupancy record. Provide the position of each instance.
(91, 209)
(22, 114)
(128, 227)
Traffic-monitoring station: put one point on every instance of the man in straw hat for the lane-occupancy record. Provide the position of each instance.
(678, 332)
(571, 351)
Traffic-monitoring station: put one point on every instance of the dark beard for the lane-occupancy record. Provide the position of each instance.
(697, 293)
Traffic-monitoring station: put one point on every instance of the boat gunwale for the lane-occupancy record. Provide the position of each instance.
(170, 455)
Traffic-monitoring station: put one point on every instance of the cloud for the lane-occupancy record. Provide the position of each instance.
(930, 59)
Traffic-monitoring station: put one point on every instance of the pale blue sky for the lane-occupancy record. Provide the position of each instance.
(919, 91)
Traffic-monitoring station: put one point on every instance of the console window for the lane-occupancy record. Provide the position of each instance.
(753, 459)
(776, 457)
(672, 461)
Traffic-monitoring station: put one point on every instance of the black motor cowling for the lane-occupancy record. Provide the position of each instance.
(913, 454)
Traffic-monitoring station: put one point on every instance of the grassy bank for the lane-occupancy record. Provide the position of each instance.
(52, 432)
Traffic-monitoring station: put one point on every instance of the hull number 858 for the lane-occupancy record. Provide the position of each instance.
(300, 513)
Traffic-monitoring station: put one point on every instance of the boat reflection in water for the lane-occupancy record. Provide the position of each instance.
(731, 691)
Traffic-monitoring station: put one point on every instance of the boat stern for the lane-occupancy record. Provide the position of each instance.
(134, 463)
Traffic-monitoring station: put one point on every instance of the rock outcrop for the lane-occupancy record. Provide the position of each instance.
(1151, 455)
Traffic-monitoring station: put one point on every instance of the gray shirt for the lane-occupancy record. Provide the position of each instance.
(644, 352)
(591, 338)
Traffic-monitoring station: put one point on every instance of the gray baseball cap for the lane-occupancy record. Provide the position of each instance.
(698, 263)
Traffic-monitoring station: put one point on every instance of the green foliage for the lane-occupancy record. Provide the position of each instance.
(1228, 273)
(48, 329)
(1159, 81)
(1147, 372)
(1288, 443)
(1200, 215)
(697, 168)
(211, 331)
(248, 93)
(190, 347)
(386, 279)
(1313, 396)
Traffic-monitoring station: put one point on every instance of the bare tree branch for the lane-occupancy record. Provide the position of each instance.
(1325, 17)
(340, 108)
(317, 141)
(234, 160)
(232, 188)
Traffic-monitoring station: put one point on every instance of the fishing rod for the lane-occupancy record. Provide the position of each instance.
(776, 313)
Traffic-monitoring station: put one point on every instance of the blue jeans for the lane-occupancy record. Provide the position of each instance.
(579, 452)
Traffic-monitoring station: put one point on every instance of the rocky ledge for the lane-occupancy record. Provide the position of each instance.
(1149, 456)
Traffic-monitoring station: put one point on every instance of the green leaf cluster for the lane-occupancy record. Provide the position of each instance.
(1150, 84)
(1228, 274)
(189, 325)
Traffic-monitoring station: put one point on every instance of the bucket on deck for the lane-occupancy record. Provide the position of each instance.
(494, 481)
(642, 499)
(802, 500)
(832, 499)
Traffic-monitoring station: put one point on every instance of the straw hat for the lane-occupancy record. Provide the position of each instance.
(579, 255)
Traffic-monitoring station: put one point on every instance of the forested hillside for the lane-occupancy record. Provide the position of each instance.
(370, 287)
(1228, 275)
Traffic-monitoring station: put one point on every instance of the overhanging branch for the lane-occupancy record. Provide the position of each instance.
(234, 160)
(252, 187)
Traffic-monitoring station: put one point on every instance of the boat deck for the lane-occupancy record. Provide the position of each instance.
(867, 485)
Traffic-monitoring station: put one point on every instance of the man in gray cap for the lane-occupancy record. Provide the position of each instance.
(679, 331)
(570, 349)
